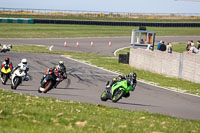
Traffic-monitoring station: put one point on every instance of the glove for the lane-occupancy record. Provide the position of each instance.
(26, 78)
(57, 79)
(65, 76)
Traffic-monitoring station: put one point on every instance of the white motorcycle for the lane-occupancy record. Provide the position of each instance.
(5, 48)
(17, 77)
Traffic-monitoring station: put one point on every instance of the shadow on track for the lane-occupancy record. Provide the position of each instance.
(134, 104)
(69, 89)
(61, 94)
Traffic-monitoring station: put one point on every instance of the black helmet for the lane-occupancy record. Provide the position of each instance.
(133, 75)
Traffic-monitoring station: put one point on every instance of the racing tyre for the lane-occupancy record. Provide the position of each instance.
(48, 86)
(117, 95)
(5, 78)
(104, 96)
(39, 90)
(16, 83)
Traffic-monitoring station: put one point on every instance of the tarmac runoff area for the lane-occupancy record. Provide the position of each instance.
(86, 83)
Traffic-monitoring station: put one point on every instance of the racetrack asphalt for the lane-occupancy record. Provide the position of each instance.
(87, 84)
(100, 44)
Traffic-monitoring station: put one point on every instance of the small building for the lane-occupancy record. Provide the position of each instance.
(143, 39)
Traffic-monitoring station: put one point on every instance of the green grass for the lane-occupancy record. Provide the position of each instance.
(63, 31)
(112, 64)
(139, 18)
(31, 48)
(20, 113)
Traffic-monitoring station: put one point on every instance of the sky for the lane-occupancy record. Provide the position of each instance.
(132, 6)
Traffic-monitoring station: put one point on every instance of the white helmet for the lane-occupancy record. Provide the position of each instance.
(61, 62)
(24, 61)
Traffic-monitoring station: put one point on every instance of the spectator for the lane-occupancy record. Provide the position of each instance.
(169, 47)
(198, 43)
(188, 45)
(141, 41)
(193, 49)
(163, 46)
(159, 44)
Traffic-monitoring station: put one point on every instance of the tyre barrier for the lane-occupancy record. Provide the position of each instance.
(17, 20)
(150, 24)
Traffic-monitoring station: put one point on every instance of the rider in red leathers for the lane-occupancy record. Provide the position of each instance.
(58, 73)
(7, 63)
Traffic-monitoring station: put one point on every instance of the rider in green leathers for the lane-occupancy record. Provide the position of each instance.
(131, 81)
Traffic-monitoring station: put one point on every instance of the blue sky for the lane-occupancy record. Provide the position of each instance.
(135, 6)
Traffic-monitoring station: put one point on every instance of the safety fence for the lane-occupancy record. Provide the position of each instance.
(116, 23)
(47, 21)
(53, 16)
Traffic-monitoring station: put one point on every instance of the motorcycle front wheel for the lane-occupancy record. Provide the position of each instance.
(104, 96)
(48, 86)
(117, 95)
(16, 83)
(5, 78)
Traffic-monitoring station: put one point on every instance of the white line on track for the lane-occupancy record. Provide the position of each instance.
(50, 48)
(115, 53)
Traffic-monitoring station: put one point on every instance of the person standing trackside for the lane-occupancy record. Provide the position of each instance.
(188, 45)
(198, 45)
(169, 47)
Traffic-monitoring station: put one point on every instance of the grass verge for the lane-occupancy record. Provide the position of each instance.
(24, 113)
(105, 17)
(112, 64)
(63, 31)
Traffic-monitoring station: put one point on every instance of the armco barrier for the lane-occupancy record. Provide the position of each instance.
(91, 22)
(17, 20)
(185, 66)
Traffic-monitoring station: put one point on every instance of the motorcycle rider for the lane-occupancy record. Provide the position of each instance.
(59, 71)
(23, 65)
(8, 63)
(131, 81)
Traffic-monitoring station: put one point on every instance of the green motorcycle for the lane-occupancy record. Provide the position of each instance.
(117, 91)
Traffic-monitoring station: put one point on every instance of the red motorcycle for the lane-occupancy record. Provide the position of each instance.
(50, 80)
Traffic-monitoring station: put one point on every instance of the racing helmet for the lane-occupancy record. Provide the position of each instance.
(133, 75)
(59, 68)
(61, 63)
(7, 60)
(24, 61)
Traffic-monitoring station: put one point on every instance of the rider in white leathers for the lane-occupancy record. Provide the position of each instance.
(23, 66)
